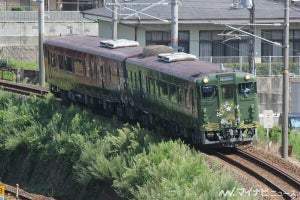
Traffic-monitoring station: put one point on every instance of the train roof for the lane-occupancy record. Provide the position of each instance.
(91, 44)
(189, 70)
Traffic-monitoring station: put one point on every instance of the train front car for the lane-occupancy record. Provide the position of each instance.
(227, 109)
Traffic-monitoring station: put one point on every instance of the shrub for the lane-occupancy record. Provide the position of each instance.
(17, 9)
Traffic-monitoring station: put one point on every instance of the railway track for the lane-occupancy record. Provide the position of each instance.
(23, 89)
(281, 183)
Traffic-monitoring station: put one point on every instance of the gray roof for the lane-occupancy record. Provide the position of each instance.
(197, 11)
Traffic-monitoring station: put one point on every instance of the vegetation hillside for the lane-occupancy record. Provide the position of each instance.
(69, 153)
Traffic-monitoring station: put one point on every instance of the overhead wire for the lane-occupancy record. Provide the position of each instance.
(194, 1)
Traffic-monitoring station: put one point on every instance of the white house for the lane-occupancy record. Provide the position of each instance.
(202, 25)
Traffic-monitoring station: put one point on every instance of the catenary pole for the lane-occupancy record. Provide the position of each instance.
(115, 21)
(285, 105)
(41, 38)
(174, 25)
(252, 39)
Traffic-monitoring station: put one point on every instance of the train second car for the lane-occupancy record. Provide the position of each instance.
(192, 99)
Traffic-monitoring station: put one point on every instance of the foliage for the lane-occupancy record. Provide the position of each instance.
(294, 140)
(24, 65)
(171, 171)
(17, 9)
(5, 63)
(135, 161)
(275, 135)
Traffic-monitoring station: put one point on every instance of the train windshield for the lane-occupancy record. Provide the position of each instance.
(247, 88)
(227, 91)
(208, 91)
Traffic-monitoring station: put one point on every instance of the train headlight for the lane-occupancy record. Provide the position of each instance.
(247, 77)
(205, 80)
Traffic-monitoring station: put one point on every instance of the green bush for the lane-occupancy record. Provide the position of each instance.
(17, 9)
(294, 140)
(5, 63)
(275, 135)
(136, 162)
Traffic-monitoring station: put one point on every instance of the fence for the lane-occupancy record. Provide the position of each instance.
(50, 16)
(264, 65)
(19, 53)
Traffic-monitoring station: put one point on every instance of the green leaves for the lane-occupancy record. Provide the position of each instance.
(136, 162)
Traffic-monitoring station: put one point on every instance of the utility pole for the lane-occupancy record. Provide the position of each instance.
(115, 21)
(41, 38)
(285, 104)
(174, 25)
(252, 40)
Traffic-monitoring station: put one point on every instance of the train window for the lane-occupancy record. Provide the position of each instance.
(151, 86)
(78, 66)
(110, 73)
(143, 82)
(129, 78)
(247, 88)
(227, 92)
(163, 90)
(102, 71)
(173, 93)
(118, 75)
(180, 96)
(61, 62)
(189, 97)
(69, 64)
(52, 59)
(134, 80)
(208, 91)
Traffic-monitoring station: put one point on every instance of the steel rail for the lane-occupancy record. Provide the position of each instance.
(268, 182)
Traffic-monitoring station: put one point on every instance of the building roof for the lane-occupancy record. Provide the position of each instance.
(194, 11)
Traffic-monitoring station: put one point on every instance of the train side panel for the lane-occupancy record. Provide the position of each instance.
(80, 74)
(162, 95)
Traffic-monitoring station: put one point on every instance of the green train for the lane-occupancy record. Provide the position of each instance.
(195, 100)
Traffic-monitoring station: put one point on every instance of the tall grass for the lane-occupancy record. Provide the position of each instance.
(274, 137)
(137, 163)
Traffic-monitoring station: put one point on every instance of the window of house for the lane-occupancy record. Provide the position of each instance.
(164, 38)
(211, 44)
(269, 49)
